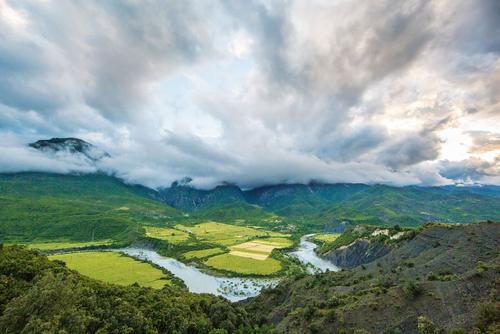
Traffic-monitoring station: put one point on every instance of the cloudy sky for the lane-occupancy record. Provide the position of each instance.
(256, 92)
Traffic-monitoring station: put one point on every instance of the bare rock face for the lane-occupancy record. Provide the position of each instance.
(359, 252)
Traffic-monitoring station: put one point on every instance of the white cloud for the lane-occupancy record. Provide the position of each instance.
(255, 92)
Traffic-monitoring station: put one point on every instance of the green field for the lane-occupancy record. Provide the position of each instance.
(67, 245)
(114, 268)
(168, 234)
(243, 265)
(325, 237)
(241, 249)
(199, 254)
(225, 234)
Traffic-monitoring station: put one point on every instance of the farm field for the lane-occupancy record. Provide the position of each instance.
(169, 234)
(199, 254)
(56, 245)
(244, 265)
(229, 248)
(226, 234)
(325, 237)
(259, 249)
(114, 268)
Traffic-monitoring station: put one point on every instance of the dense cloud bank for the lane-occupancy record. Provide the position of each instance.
(255, 92)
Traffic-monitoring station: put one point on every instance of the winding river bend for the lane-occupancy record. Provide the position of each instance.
(197, 281)
(231, 288)
(306, 254)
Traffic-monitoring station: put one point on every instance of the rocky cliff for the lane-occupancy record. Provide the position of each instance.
(359, 252)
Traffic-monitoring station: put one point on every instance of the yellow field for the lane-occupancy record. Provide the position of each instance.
(278, 242)
(225, 234)
(259, 249)
(67, 244)
(250, 255)
(244, 265)
(255, 246)
(114, 268)
(168, 234)
(199, 254)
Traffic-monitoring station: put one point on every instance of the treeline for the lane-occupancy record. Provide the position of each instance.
(41, 296)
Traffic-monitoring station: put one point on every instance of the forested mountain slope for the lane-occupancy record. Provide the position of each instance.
(320, 204)
(73, 207)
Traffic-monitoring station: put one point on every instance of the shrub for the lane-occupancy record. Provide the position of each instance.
(487, 314)
(431, 276)
(458, 331)
(412, 290)
(360, 331)
(426, 326)
(314, 327)
(331, 315)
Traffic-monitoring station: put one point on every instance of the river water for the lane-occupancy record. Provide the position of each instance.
(231, 288)
(306, 254)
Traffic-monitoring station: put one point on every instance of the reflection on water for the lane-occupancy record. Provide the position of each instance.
(233, 289)
(305, 253)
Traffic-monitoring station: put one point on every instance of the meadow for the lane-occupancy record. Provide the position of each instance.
(244, 265)
(325, 237)
(203, 253)
(116, 268)
(171, 235)
(225, 234)
(58, 245)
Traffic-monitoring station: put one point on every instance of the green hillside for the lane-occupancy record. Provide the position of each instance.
(298, 200)
(239, 212)
(41, 296)
(39, 207)
(411, 206)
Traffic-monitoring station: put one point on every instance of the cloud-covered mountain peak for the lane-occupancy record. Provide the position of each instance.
(75, 147)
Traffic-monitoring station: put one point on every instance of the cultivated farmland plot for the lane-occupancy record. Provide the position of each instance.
(239, 249)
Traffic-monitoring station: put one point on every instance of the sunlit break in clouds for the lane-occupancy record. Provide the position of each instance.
(255, 92)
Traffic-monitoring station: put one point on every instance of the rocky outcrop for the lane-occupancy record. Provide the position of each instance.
(359, 252)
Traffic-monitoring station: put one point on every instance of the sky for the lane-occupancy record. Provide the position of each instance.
(255, 92)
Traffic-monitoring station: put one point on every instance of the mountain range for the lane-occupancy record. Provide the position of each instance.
(314, 204)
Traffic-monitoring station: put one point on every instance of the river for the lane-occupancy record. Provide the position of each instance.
(231, 288)
(197, 281)
(306, 254)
